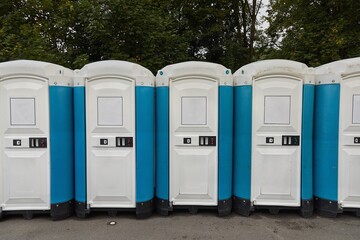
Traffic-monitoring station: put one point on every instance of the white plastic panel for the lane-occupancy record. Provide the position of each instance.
(193, 110)
(110, 179)
(195, 68)
(356, 109)
(276, 168)
(110, 113)
(277, 109)
(22, 111)
(193, 168)
(141, 75)
(278, 175)
(349, 148)
(25, 171)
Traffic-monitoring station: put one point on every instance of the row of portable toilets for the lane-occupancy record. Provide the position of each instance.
(111, 136)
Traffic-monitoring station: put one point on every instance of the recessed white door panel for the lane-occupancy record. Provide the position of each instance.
(193, 110)
(110, 111)
(349, 147)
(193, 141)
(276, 142)
(22, 111)
(25, 148)
(110, 118)
(277, 110)
(356, 109)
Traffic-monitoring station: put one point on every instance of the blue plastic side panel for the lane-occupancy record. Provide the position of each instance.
(145, 140)
(242, 141)
(225, 141)
(162, 143)
(80, 144)
(307, 142)
(326, 127)
(61, 144)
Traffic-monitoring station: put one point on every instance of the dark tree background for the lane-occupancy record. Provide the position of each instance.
(155, 33)
(314, 31)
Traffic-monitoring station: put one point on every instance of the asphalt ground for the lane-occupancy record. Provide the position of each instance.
(183, 225)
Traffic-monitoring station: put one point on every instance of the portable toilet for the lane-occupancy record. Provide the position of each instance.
(337, 138)
(114, 138)
(36, 139)
(273, 124)
(194, 116)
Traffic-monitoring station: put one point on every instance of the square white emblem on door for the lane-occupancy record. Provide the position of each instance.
(110, 111)
(277, 110)
(22, 111)
(193, 111)
(356, 109)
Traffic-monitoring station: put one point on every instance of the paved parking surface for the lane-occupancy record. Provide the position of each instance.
(182, 225)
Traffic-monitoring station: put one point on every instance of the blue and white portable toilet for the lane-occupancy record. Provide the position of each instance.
(273, 127)
(337, 138)
(194, 116)
(36, 139)
(114, 138)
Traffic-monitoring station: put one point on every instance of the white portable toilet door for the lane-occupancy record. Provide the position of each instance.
(110, 126)
(193, 141)
(25, 148)
(276, 141)
(349, 143)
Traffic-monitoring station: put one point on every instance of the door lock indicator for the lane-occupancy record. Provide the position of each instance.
(357, 140)
(16, 142)
(187, 140)
(290, 140)
(38, 142)
(104, 141)
(207, 140)
(269, 140)
(124, 142)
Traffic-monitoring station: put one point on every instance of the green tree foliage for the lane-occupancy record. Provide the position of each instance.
(137, 31)
(220, 31)
(314, 32)
(23, 27)
(209, 29)
(155, 33)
